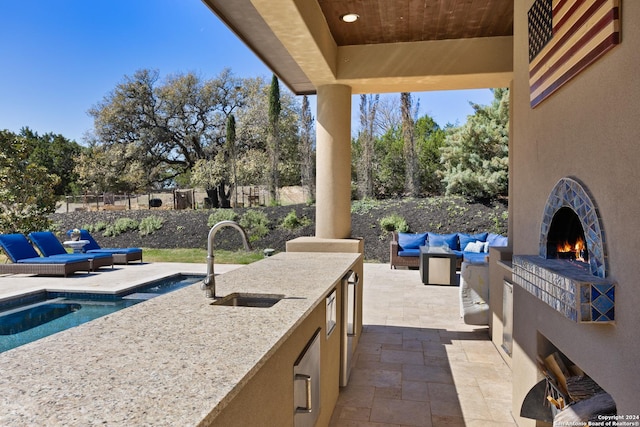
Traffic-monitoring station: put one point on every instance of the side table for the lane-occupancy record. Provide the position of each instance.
(76, 245)
(437, 265)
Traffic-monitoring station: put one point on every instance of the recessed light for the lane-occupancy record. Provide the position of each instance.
(350, 17)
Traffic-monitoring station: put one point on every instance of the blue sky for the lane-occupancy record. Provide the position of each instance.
(58, 58)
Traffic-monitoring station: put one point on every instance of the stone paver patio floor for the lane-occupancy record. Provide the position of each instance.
(418, 364)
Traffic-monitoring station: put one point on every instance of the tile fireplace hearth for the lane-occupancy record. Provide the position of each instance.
(567, 287)
(580, 291)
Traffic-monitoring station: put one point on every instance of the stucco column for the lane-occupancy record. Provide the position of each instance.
(333, 162)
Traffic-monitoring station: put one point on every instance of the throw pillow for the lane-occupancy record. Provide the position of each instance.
(475, 247)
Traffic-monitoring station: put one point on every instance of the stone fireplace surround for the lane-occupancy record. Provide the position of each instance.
(581, 292)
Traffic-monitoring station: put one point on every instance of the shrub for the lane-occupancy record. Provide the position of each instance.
(256, 224)
(221, 215)
(291, 221)
(363, 206)
(98, 226)
(394, 222)
(150, 224)
(121, 225)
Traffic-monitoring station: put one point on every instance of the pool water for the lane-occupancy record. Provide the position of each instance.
(27, 319)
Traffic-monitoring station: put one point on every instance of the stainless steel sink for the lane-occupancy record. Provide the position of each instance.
(249, 300)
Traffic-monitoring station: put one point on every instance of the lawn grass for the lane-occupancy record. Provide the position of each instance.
(200, 256)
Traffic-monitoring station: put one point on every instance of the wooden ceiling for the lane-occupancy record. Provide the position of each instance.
(388, 49)
(394, 21)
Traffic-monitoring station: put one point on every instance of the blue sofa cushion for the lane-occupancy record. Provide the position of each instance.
(411, 241)
(474, 258)
(464, 239)
(450, 240)
(497, 240)
(409, 252)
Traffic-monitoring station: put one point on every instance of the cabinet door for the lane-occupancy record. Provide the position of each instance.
(306, 384)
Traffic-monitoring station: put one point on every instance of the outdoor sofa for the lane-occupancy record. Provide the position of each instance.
(49, 245)
(474, 248)
(25, 259)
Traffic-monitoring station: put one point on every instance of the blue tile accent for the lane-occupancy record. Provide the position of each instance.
(567, 288)
(571, 193)
(602, 304)
(585, 294)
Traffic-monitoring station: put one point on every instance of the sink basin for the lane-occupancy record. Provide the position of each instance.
(249, 300)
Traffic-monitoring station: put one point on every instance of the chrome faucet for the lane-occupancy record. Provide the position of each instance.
(209, 283)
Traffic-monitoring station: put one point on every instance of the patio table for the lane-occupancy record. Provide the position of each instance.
(437, 265)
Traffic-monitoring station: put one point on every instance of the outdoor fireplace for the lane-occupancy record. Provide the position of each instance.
(570, 273)
(566, 237)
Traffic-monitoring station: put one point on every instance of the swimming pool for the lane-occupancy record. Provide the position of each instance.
(29, 318)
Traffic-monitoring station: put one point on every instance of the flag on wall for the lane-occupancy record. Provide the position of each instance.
(565, 36)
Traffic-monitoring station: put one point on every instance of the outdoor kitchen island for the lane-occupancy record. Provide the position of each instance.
(178, 360)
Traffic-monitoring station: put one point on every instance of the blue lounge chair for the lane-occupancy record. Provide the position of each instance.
(120, 255)
(25, 259)
(50, 246)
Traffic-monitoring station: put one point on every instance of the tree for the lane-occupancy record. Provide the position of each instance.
(169, 126)
(273, 142)
(252, 127)
(231, 150)
(389, 164)
(429, 140)
(306, 149)
(365, 143)
(57, 155)
(476, 155)
(411, 176)
(27, 196)
(115, 168)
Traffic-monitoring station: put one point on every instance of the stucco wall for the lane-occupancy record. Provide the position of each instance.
(588, 130)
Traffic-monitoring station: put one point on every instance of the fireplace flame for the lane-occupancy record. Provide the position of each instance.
(576, 250)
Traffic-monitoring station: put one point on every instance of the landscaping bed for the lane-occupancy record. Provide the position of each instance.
(189, 228)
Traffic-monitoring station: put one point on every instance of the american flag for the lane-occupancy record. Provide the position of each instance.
(565, 36)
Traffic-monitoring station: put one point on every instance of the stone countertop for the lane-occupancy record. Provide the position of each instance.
(169, 361)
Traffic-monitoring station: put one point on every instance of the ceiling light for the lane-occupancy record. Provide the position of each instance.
(350, 17)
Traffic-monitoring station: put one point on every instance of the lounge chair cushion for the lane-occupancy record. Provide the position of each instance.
(48, 243)
(50, 246)
(48, 260)
(93, 246)
(17, 247)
